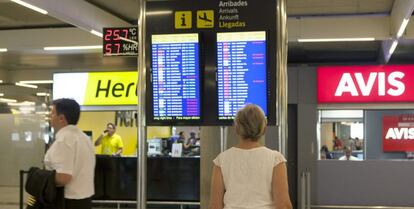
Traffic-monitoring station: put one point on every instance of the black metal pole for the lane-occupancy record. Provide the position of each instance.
(21, 189)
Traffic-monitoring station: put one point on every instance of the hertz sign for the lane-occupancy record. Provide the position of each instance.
(97, 88)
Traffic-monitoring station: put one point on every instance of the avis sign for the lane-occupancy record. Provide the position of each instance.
(356, 84)
(398, 133)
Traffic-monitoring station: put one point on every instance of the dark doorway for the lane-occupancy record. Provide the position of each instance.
(292, 155)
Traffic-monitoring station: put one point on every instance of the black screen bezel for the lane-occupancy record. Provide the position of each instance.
(150, 108)
(229, 122)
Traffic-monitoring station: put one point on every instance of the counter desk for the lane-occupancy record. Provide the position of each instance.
(168, 178)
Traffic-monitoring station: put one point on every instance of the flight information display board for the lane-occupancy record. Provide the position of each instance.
(241, 72)
(175, 77)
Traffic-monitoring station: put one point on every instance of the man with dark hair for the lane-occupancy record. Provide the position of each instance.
(110, 141)
(71, 155)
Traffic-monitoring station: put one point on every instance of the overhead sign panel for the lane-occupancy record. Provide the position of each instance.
(360, 84)
(97, 88)
(234, 46)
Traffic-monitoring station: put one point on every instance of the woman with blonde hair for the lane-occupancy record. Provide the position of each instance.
(249, 175)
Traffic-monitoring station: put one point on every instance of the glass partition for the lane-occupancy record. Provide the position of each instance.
(341, 134)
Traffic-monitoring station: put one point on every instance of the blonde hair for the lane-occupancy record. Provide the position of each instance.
(250, 122)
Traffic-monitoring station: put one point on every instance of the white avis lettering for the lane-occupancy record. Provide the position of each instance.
(347, 84)
(400, 133)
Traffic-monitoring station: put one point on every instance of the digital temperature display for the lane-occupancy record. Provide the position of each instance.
(120, 41)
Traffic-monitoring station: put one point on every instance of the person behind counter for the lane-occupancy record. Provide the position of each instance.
(110, 141)
(250, 175)
(190, 141)
(181, 137)
(338, 144)
(325, 154)
(348, 155)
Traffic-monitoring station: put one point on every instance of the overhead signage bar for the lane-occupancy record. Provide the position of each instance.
(365, 84)
(236, 65)
(97, 88)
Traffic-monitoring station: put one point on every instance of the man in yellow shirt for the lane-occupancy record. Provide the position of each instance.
(110, 141)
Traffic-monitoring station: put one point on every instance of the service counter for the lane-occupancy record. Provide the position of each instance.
(356, 153)
(168, 178)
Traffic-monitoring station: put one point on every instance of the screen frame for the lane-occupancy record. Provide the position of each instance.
(150, 93)
(112, 42)
(229, 122)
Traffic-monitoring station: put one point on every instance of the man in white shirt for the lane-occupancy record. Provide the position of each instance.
(348, 155)
(71, 155)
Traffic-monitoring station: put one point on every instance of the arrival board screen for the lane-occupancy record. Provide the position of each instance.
(241, 71)
(175, 77)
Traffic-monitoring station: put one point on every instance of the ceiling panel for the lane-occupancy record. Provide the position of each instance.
(338, 7)
(14, 16)
(333, 52)
(18, 65)
(404, 53)
(126, 10)
(87, 62)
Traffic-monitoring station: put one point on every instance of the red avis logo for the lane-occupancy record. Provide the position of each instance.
(374, 84)
(400, 134)
(347, 84)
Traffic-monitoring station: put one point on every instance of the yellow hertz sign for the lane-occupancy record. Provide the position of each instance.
(97, 88)
(111, 89)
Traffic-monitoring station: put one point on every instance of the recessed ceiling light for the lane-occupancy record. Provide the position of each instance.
(334, 39)
(35, 8)
(42, 112)
(36, 81)
(166, 12)
(393, 47)
(26, 85)
(42, 94)
(7, 100)
(25, 103)
(96, 33)
(52, 48)
(3, 49)
(402, 27)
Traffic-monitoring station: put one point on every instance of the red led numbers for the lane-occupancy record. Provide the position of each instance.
(120, 41)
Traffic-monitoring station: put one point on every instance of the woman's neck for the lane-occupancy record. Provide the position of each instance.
(248, 144)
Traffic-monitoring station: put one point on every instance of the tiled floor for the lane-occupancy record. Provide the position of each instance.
(9, 199)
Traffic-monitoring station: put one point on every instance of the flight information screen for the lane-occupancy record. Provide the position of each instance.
(241, 71)
(175, 77)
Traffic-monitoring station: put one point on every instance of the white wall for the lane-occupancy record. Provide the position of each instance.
(16, 153)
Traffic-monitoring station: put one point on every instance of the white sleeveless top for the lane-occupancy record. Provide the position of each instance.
(247, 176)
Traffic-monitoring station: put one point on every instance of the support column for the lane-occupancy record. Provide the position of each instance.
(281, 76)
(142, 154)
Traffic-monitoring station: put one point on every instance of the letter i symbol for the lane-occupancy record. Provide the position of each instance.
(183, 20)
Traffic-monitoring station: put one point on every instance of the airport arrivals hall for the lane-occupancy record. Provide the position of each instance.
(206, 104)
